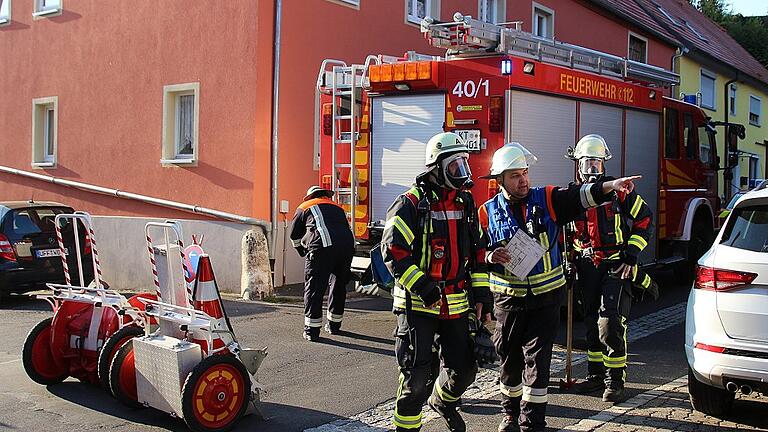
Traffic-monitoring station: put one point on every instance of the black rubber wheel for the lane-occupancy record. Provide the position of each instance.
(707, 399)
(122, 376)
(38, 358)
(110, 348)
(701, 240)
(215, 394)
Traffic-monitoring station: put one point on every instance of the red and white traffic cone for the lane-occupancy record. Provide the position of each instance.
(207, 299)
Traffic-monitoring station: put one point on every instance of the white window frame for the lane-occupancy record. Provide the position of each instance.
(41, 131)
(497, 8)
(753, 162)
(732, 97)
(355, 4)
(5, 16)
(431, 8)
(759, 112)
(171, 105)
(713, 77)
(549, 15)
(41, 9)
(631, 35)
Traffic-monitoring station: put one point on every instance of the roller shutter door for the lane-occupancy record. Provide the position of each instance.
(546, 126)
(401, 127)
(643, 159)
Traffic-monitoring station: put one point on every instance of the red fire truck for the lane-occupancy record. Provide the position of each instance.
(498, 84)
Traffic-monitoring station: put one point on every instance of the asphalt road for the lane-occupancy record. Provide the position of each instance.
(311, 385)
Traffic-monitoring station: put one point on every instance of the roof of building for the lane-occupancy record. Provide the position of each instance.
(632, 12)
(699, 33)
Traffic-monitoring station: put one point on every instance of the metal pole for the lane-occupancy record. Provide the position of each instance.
(275, 119)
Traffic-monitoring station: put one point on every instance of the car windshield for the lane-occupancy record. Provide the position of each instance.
(733, 200)
(748, 229)
(35, 220)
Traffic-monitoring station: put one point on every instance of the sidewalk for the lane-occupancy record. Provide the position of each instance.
(666, 408)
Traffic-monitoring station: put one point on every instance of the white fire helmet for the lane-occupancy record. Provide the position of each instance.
(512, 155)
(591, 151)
(444, 144)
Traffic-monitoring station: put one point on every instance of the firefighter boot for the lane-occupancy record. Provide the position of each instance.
(333, 328)
(509, 424)
(449, 414)
(592, 384)
(614, 393)
(312, 334)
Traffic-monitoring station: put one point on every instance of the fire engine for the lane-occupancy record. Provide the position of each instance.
(498, 84)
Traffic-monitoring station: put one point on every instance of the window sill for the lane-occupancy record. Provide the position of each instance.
(46, 12)
(43, 164)
(178, 161)
(754, 124)
(414, 20)
(4, 21)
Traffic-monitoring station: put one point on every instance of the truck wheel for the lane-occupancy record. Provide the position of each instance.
(110, 348)
(707, 399)
(215, 394)
(701, 240)
(122, 376)
(37, 356)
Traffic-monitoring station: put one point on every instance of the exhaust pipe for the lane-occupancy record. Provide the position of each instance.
(746, 390)
(731, 387)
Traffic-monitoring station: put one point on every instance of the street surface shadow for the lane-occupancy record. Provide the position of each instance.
(237, 308)
(353, 346)
(353, 335)
(278, 417)
(23, 302)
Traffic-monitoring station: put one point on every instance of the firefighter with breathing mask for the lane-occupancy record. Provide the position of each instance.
(430, 245)
(608, 238)
(527, 307)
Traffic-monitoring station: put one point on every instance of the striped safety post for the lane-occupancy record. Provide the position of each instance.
(155, 277)
(208, 300)
(95, 254)
(62, 254)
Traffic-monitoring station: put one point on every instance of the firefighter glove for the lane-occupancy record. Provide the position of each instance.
(628, 259)
(430, 294)
(485, 351)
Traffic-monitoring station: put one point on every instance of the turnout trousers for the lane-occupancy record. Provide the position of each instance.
(324, 267)
(607, 303)
(415, 335)
(524, 341)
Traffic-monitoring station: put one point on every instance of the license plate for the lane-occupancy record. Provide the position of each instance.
(47, 253)
(471, 137)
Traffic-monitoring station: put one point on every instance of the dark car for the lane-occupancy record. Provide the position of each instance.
(29, 252)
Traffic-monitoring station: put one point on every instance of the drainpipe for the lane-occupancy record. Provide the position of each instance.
(728, 172)
(275, 118)
(678, 53)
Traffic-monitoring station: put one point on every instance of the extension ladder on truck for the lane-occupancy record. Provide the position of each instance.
(466, 36)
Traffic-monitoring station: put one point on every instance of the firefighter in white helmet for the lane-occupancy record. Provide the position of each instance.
(527, 306)
(430, 245)
(608, 239)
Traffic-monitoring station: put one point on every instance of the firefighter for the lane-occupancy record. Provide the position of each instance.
(430, 245)
(609, 239)
(321, 233)
(528, 308)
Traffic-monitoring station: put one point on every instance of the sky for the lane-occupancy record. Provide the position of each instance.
(749, 7)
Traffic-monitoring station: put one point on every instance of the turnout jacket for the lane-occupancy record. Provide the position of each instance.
(320, 223)
(540, 215)
(431, 244)
(618, 229)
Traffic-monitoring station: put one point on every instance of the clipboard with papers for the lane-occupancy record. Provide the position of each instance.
(525, 252)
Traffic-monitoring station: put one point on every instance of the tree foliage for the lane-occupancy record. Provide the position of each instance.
(750, 32)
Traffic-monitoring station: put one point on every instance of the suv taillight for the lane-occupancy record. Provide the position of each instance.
(87, 244)
(712, 279)
(6, 249)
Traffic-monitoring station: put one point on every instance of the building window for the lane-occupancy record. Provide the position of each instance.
(707, 89)
(543, 21)
(181, 107)
(47, 7)
(754, 110)
(732, 99)
(754, 167)
(420, 9)
(5, 12)
(45, 122)
(491, 11)
(638, 48)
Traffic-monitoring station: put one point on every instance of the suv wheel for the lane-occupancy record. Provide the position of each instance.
(707, 399)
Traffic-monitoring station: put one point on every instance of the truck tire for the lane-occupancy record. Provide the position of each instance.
(702, 236)
(707, 399)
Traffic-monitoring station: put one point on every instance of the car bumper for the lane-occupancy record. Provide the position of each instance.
(713, 368)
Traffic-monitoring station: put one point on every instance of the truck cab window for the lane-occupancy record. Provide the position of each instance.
(690, 137)
(706, 144)
(671, 135)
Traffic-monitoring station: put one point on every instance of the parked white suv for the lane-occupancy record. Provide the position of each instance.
(726, 323)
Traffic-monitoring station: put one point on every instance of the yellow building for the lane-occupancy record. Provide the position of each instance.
(730, 85)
